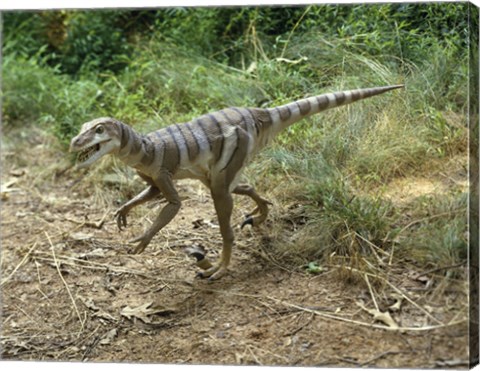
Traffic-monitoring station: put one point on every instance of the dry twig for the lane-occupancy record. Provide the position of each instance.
(5, 280)
(96, 225)
(371, 292)
(64, 282)
(381, 327)
(338, 318)
(399, 292)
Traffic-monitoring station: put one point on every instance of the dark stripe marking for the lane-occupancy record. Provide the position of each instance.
(339, 97)
(184, 141)
(255, 121)
(322, 101)
(244, 120)
(170, 131)
(195, 139)
(125, 135)
(201, 126)
(284, 112)
(304, 106)
(356, 95)
(137, 143)
(222, 137)
(148, 152)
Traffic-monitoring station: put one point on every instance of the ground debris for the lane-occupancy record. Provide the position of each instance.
(384, 317)
(146, 311)
(79, 296)
(108, 337)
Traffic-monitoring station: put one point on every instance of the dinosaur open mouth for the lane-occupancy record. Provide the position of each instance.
(88, 152)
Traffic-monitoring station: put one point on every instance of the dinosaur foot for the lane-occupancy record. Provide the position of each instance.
(214, 273)
(143, 242)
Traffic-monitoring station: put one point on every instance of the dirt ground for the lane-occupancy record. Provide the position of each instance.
(72, 292)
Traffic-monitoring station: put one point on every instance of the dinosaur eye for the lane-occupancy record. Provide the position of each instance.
(99, 130)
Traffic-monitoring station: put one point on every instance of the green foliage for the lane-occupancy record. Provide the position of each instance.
(23, 34)
(335, 206)
(36, 94)
(103, 39)
(350, 217)
(94, 41)
(441, 234)
(28, 89)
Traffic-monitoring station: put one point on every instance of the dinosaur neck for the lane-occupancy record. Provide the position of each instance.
(135, 149)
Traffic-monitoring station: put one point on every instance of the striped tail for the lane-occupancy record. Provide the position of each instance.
(286, 115)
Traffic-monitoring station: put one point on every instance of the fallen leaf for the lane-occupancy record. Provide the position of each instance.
(197, 223)
(201, 223)
(398, 303)
(146, 310)
(89, 303)
(97, 312)
(384, 317)
(108, 337)
(452, 363)
(114, 179)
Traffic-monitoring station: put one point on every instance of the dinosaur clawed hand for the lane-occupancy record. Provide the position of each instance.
(143, 240)
(121, 217)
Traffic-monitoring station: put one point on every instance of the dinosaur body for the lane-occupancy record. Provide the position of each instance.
(213, 148)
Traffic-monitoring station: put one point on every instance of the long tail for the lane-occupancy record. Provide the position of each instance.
(284, 116)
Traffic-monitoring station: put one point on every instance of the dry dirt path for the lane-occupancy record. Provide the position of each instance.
(72, 292)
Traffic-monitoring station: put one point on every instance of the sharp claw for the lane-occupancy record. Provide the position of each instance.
(121, 220)
(200, 275)
(218, 274)
(248, 220)
(139, 248)
(143, 243)
(137, 239)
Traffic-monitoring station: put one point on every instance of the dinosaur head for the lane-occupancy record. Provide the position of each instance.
(97, 138)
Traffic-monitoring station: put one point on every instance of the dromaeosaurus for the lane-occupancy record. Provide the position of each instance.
(213, 148)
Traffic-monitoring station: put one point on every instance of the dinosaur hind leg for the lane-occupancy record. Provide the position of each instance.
(223, 202)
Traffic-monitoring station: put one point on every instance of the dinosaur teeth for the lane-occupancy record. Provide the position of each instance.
(88, 152)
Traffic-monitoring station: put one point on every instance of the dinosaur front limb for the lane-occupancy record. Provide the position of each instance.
(146, 195)
(165, 185)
